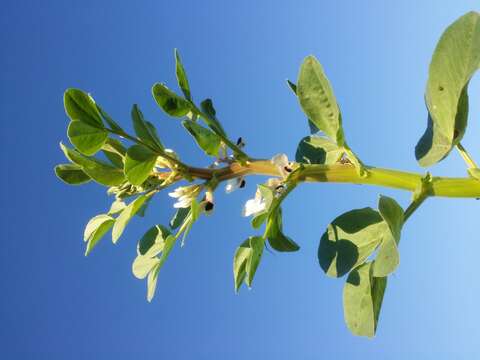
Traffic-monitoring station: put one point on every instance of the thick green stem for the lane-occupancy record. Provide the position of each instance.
(346, 173)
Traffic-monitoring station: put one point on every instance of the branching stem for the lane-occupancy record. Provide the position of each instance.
(346, 173)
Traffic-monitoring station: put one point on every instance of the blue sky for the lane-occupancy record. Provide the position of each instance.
(55, 303)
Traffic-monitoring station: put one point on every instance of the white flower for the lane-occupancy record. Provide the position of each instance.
(185, 195)
(234, 184)
(255, 205)
(282, 164)
(258, 203)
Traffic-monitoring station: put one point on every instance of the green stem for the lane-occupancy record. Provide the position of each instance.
(347, 173)
(466, 156)
(414, 205)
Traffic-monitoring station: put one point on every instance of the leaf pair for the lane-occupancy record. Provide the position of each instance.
(86, 166)
(99, 225)
(345, 247)
(86, 130)
(246, 260)
(156, 241)
(454, 62)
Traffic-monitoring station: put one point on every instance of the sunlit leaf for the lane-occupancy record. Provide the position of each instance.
(139, 163)
(145, 130)
(257, 244)
(318, 101)
(98, 170)
(455, 60)
(182, 76)
(207, 140)
(80, 106)
(240, 259)
(388, 258)
(170, 102)
(86, 138)
(96, 228)
(115, 152)
(126, 215)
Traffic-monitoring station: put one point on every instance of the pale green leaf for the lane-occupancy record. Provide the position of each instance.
(96, 228)
(388, 257)
(455, 59)
(116, 207)
(142, 265)
(362, 300)
(318, 101)
(126, 215)
(152, 282)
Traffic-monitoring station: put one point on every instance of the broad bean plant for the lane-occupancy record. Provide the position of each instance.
(361, 244)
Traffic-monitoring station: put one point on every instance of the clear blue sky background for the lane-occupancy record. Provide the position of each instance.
(57, 304)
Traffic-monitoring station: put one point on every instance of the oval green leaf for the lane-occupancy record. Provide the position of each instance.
(170, 102)
(71, 174)
(362, 300)
(349, 240)
(257, 243)
(126, 215)
(388, 258)
(207, 140)
(139, 163)
(86, 138)
(455, 60)
(99, 171)
(80, 106)
(318, 100)
(96, 228)
(240, 259)
(145, 130)
(275, 235)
